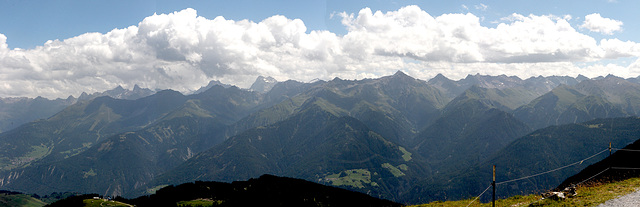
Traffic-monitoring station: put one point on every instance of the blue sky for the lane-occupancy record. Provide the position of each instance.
(60, 48)
(34, 22)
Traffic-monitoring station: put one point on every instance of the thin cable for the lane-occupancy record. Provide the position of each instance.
(575, 184)
(625, 168)
(629, 150)
(560, 168)
(592, 177)
(615, 168)
(485, 190)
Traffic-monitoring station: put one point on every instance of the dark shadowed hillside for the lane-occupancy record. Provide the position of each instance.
(79, 127)
(621, 165)
(471, 128)
(162, 131)
(314, 144)
(267, 190)
(540, 151)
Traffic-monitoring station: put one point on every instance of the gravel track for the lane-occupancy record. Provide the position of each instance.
(631, 199)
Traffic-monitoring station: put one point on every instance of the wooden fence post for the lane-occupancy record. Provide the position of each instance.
(494, 186)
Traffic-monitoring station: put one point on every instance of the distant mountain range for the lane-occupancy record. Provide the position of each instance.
(17, 111)
(394, 137)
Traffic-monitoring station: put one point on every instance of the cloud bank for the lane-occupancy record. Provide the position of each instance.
(183, 51)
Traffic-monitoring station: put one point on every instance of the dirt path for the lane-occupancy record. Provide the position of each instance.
(631, 199)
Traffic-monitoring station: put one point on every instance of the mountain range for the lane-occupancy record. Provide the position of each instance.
(15, 111)
(394, 137)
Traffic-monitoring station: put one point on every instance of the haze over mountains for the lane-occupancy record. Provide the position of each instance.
(17, 111)
(394, 137)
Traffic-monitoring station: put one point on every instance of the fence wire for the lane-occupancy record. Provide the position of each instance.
(550, 171)
(485, 190)
(560, 168)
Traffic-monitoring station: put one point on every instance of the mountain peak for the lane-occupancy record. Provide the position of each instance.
(267, 79)
(399, 73)
(83, 96)
(115, 92)
(615, 80)
(119, 92)
(318, 79)
(263, 84)
(611, 76)
(581, 77)
(210, 85)
(439, 78)
(472, 76)
(401, 76)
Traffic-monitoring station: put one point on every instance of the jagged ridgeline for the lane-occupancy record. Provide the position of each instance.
(17, 111)
(394, 137)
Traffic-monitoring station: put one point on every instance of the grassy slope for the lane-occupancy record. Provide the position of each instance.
(102, 202)
(19, 200)
(587, 196)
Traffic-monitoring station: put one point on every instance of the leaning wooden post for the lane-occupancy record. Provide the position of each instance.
(494, 186)
(609, 148)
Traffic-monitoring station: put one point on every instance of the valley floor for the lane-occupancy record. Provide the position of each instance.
(587, 196)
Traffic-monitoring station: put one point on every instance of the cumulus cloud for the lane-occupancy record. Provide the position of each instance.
(615, 48)
(183, 51)
(3, 43)
(596, 23)
(411, 32)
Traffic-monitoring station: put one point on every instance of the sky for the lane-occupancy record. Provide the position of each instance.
(54, 48)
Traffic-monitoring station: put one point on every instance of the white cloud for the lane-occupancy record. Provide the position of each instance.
(615, 48)
(183, 51)
(482, 7)
(3, 43)
(413, 33)
(634, 68)
(596, 23)
(538, 39)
